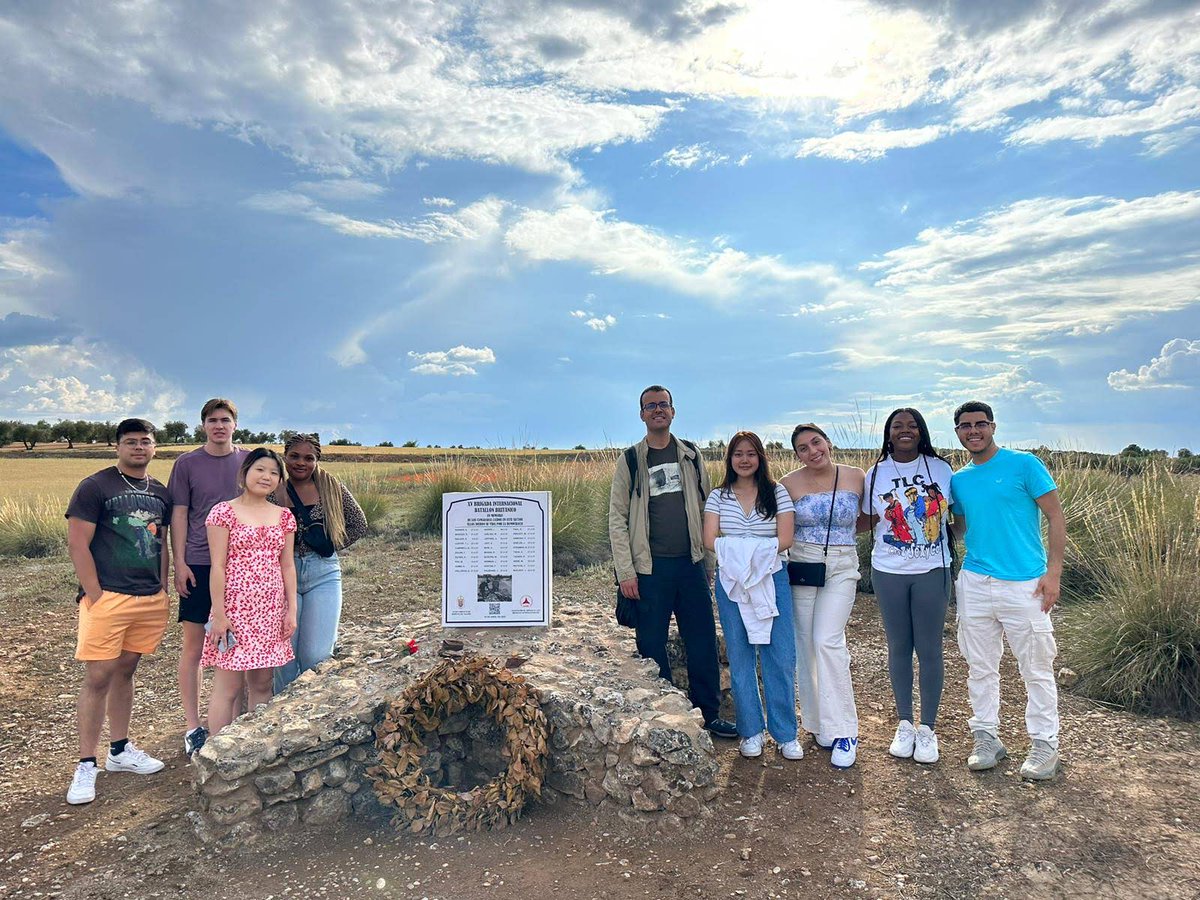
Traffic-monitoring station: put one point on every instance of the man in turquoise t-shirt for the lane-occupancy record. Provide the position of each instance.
(1007, 587)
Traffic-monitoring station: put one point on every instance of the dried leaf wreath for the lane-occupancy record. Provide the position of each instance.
(448, 689)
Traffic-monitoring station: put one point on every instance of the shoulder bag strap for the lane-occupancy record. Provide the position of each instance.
(298, 508)
(832, 501)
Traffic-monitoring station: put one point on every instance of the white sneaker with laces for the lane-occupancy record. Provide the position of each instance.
(903, 742)
(131, 759)
(845, 752)
(926, 749)
(752, 746)
(83, 784)
(791, 750)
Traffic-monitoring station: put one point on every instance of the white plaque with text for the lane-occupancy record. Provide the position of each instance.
(496, 559)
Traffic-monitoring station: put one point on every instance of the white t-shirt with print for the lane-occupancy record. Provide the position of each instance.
(912, 502)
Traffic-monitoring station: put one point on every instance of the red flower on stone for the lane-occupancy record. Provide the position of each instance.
(411, 647)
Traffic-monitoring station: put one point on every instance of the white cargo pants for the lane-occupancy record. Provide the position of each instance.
(990, 610)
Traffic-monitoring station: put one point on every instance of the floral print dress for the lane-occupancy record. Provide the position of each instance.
(254, 599)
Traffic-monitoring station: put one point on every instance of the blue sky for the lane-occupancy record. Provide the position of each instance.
(495, 223)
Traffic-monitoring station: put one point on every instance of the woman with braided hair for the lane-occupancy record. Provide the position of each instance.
(329, 519)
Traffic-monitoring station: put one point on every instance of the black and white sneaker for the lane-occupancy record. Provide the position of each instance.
(722, 728)
(194, 739)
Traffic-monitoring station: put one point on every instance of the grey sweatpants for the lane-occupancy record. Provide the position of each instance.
(913, 609)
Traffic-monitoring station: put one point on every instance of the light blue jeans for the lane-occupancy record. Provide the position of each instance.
(318, 609)
(778, 660)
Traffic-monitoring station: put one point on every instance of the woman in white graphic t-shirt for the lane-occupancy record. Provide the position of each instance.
(907, 503)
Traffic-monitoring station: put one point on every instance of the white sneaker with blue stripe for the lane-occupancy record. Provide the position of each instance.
(845, 752)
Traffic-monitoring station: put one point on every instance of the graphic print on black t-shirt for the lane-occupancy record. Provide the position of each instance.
(128, 541)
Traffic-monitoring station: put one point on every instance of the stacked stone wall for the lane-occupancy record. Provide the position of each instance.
(622, 740)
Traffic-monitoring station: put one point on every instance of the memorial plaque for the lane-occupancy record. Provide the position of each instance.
(496, 559)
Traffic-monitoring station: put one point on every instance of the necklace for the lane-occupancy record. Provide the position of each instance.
(145, 489)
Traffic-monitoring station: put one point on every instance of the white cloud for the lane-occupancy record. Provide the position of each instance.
(579, 313)
(601, 324)
(694, 156)
(478, 220)
(82, 379)
(1109, 121)
(343, 90)
(1162, 143)
(1046, 268)
(873, 143)
(1177, 366)
(460, 360)
(613, 247)
(444, 202)
(22, 267)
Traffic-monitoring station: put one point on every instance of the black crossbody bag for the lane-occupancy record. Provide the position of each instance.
(313, 533)
(811, 574)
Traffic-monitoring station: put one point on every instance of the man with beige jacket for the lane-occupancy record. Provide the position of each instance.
(654, 525)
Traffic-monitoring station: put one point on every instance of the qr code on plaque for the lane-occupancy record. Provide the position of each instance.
(493, 609)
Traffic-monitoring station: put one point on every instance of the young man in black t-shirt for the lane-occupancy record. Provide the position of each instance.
(116, 525)
(654, 526)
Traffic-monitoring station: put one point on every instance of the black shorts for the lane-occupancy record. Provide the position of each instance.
(197, 605)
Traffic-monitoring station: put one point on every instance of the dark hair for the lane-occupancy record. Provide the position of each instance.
(217, 403)
(254, 456)
(974, 406)
(925, 443)
(808, 426)
(655, 388)
(765, 501)
(134, 426)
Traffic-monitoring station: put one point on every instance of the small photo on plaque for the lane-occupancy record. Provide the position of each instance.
(494, 588)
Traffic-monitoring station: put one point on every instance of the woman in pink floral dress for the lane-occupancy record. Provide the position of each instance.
(253, 589)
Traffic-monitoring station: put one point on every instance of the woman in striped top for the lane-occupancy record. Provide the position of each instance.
(748, 522)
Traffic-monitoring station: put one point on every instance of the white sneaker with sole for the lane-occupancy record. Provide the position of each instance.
(791, 750)
(83, 784)
(987, 752)
(845, 752)
(903, 742)
(131, 759)
(752, 746)
(1042, 763)
(926, 749)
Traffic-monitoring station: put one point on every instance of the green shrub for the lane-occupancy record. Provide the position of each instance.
(375, 506)
(32, 528)
(1138, 646)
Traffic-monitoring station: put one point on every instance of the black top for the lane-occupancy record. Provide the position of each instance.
(668, 515)
(130, 515)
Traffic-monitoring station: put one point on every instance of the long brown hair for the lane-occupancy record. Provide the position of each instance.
(329, 490)
(765, 501)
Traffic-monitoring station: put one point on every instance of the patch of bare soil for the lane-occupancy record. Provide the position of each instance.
(1120, 821)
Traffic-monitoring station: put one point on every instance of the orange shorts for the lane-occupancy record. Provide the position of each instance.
(118, 622)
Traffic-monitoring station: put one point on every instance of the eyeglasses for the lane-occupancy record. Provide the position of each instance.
(964, 427)
(661, 404)
(144, 442)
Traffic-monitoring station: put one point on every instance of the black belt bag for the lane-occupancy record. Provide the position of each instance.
(812, 574)
(313, 533)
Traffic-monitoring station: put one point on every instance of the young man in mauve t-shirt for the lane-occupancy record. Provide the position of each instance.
(199, 481)
(116, 522)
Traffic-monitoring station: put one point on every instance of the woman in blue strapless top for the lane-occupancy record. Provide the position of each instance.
(826, 497)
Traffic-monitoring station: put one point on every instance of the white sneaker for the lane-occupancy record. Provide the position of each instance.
(83, 784)
(845, 752)
(131, 759)
(902, 743)
(926, 750)
(791, 750)
(752, 746)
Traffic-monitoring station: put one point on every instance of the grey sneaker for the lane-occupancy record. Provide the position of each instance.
(988, 751)
(1042, 762)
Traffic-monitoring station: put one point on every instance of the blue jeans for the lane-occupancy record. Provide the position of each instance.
(318, 609)
(778, 660)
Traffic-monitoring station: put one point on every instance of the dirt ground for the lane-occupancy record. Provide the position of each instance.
(1121, 821)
